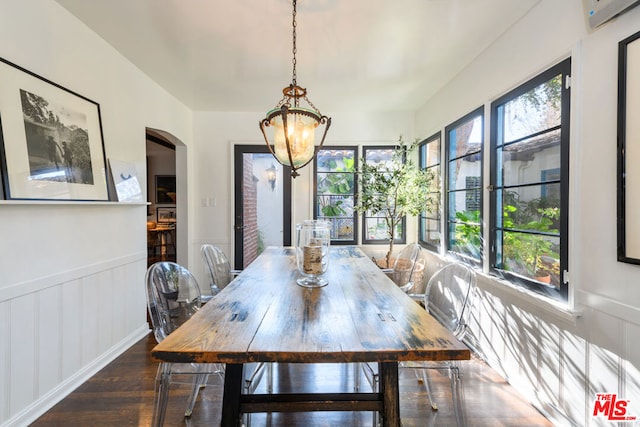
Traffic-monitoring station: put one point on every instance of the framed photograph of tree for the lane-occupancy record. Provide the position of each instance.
(51, 145)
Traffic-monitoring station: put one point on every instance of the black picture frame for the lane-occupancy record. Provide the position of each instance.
(628, 168)
(51, 141)
(165, 189)
(166, 215)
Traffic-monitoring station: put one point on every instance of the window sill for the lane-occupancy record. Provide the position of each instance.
(531, 301)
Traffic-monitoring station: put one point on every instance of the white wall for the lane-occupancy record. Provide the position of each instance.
(559, 360)
(71, 274)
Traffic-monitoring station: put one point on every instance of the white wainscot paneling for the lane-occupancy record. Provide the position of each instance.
(22, 375)
(5, 357)
(71, 328)
(63, 329)
(50, 309)
(573, 376)
(604, 377)
(549, 375)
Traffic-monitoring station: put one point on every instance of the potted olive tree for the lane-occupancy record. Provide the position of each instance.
(394, 190)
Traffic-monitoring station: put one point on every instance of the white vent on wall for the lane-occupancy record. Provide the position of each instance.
(600, 11)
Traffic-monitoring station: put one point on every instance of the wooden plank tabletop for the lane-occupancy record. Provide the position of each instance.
(264, 316)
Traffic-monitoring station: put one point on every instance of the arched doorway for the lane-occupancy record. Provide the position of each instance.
(167, 196)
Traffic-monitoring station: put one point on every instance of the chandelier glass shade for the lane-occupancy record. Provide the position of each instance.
(294, 127)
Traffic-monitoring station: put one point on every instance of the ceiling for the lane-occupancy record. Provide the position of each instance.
(353, 55)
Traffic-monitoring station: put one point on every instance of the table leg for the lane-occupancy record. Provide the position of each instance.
(390, 394)
(231, 395)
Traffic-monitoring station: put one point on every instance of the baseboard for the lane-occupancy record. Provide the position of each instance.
(47, 401)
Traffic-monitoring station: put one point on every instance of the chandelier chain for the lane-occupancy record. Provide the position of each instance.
(295, 49)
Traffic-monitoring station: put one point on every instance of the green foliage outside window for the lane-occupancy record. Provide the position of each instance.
(531, 228)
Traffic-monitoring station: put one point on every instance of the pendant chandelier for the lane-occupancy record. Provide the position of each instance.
(294, 126)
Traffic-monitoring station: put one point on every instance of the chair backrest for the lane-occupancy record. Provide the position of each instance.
(173, 296)
(404, 265)
(448, 296)
(218, 266)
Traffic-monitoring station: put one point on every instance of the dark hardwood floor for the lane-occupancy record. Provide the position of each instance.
(121, 395)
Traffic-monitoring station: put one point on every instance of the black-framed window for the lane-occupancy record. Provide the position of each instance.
(335, 189)
(430, 232)
(374, 226)
(530, 182)
(464, 140)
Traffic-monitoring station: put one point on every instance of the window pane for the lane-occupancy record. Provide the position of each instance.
(523, 162)
(465, 239)
(375, 226)
(379, 157)
(341, 228)
(535, 208)
(430, 154)
(533, 111)
(376, 229)
(335, 206)
(430, 231)
(462, 168)
(335, 183)
(463, 203)
(535, 257)
(466, 138)
(335, 192)
(336, 161)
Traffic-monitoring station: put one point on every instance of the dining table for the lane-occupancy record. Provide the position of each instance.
(264, 316)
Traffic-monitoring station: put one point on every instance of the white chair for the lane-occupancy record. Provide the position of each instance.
(447, 298)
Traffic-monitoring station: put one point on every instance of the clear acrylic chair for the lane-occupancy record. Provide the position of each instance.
(220, 275)
(173, 296)
(406, 267)
(448, 297)
(218, 266)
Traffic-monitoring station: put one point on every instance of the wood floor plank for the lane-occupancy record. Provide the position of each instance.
(121, 395)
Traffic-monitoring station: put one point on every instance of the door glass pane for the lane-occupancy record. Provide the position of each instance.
(262, 204)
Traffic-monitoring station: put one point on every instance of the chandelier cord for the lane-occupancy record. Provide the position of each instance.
(295, 49)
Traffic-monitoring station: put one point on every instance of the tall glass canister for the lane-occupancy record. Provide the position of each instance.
(313, 238)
